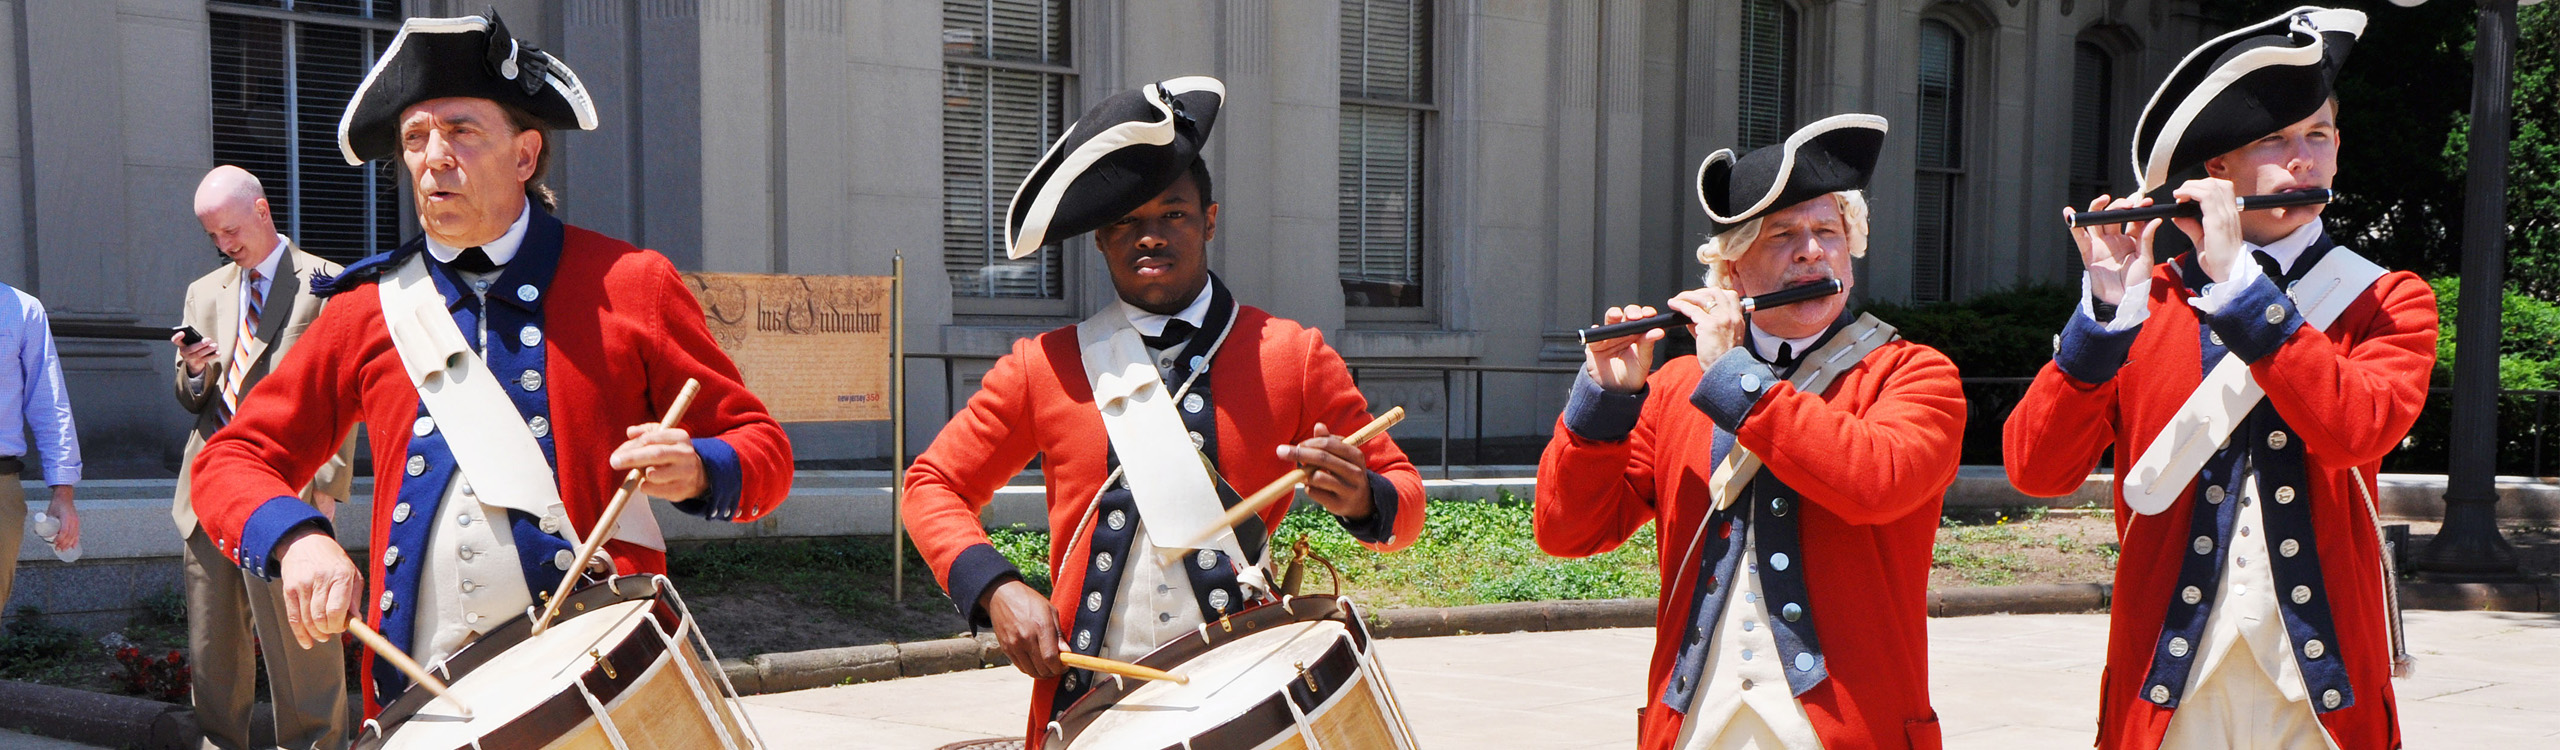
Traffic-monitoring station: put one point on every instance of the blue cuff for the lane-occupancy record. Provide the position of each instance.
(722, 481)
(1732, 385)
(1380, 526)
(2090, 353)
(277, 520)
(2257, 321)
(1599, 414)
(978, 568)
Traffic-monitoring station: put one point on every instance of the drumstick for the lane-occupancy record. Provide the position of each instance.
(612, 513)
(382, 647)
(1288, 483)
(1122, 668)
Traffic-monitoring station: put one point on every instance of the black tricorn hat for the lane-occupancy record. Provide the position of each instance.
(1830, 155)
(1119, 155)
(2238, 88)
(473, 56)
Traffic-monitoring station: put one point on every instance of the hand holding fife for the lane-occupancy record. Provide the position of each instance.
(2115, 258)
(1026, 628)
(1718, 318)
(321, 588)
(2217, 233)
(1621, 364)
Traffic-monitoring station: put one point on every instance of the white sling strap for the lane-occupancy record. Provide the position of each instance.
(489, 441)
(1845, 350)
(1168, 478)
(2229, 392)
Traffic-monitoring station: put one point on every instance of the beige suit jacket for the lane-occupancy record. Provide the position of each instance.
(213, 308)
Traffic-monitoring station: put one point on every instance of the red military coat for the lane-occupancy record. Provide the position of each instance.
(1872, 458)
(1274, 381)
(622, 334)
(2348, 395)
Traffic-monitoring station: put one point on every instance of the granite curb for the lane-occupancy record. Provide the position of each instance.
(97, 718)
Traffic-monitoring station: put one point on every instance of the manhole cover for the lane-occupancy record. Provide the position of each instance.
(1004, 743)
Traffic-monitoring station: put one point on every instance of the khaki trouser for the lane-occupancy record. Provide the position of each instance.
(229, 613)
(13, 531)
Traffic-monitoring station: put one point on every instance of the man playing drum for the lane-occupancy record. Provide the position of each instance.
(508, 366)
(1145, 417)
(2249, 390)
(1793, 468)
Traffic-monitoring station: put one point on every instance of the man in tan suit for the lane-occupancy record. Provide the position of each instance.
(249, 312)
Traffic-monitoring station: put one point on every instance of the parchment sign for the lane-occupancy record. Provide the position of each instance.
(815, 348)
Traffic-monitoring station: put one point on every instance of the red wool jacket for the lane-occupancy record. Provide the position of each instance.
(1273, 382)
(623, 334)
(1872, 458)
(2348, 394)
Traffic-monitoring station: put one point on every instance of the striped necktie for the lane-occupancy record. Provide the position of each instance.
(238, 368)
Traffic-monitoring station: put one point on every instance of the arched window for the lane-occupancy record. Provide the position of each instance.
(1937, 192)
(1768, 110)
(2094, 145)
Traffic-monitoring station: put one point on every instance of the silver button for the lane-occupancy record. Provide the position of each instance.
(562, 559)
(2314, 648)
(2160, 694)
(2329, 698)
(1748, 626)
(2277, 439)
(2204, 545)
(1793, 612)
(2284, 494)
(541, 427)
(2242, 561)
(1746, 683)
(2178, 647)
(386, 601)
(1198, 442)
(1218, 599)
(2213, 494)
(1778, 561)
(1093, 601)
(1165, 362)
(2302, 595)
(417, 465)
(400, 513)
(530, 380)
(1162, 589)
(2244, 531)
(1804, 662)
(2191, 594)
(423, 426)
(1750, 382)
(462, 519)
(1746, 654)
(2240, 590)
(1164, 617)
(468, 586)
(2275, 314)
(2216, 336)
(2288, 548)
(1207, 559)
(529, 336)
(1198, 363)
(1070, 682)
(1084, 640)
(1102, 562)
(528, 293)
(466, 552)
(473, 618)
(1778, 506)
(1193, 403)
(390, 556)
(467, 491)
(1751, 597)
(1117, 520)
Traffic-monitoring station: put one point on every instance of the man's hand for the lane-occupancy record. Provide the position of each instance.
(1621, 364)
(1715, 316)
(1026, 628)
(1337, 473)
(673, 470)
(62, 510)
(196, 355)
(2116, 259)
(2217, 234)
(321, 587)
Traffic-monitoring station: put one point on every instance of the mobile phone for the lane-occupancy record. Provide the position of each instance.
(191, 337)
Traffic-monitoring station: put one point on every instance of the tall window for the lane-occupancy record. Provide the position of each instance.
(283, 71)
(1386, 100)
(1768, 111)
(1937, 194)
(1004, 100)
(2093, 142)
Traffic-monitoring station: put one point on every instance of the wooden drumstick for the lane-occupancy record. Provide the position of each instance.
(1288, 483)
(382, 647)
(612, 513)
(1122, 668)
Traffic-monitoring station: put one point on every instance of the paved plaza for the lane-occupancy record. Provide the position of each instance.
(2485, 679)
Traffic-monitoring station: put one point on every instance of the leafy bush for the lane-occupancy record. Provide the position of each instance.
(2001, 334)
(2528, 339)
(33, 643)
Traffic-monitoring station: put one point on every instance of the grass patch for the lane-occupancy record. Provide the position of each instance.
(2023, 544)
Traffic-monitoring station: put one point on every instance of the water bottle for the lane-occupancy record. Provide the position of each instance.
(46, 527)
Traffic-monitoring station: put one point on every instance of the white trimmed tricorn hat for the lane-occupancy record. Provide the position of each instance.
(1830, 155)
(1119, 155)
(2239, 87)
(471, 56)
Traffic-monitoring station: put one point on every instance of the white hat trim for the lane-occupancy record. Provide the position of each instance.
(1033, 235)
(2307, 20)
(1786, 164)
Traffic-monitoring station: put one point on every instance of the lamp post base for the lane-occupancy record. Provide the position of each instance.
(2469, 549)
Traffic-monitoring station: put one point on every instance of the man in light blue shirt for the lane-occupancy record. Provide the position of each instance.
(32, 401)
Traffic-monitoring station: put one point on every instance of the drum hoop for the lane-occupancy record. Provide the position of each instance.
(1339, 662)
(629, 659)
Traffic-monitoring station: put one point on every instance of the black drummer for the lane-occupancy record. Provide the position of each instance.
(508, 368)
(1142, 415)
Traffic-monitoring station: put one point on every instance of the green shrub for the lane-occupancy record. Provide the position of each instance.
(33, 643)
(2528, 339)
(2002, 334)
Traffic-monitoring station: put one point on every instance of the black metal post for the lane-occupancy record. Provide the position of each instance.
(2469, 547)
